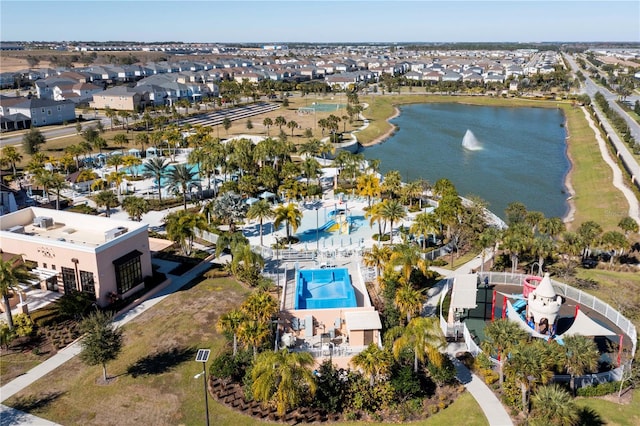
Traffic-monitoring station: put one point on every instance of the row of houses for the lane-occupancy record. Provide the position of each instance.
(20, 112)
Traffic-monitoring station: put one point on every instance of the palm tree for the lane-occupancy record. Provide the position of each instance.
(552, 226)
(541, 246)
(253, 333)
(135, 207)
(615, 242)
(230, 323)
(115, 161)
(409, 301)
(407, 257)
(292, 125)
(368, 185)
(156, 168)
(267, 123)
(582, 356)
(391, 183)
(12, 272)
(181, 227)
(116, 178)
(107, 199)
(424, 337)
(552, 405)
(531, 363)
(373, 362)
(377, 258)
(374, 213)
(244, 258)
(515, 241)
(311, 169)
(280, 121)
(392, 211)
(423, 225)
(486, 240)
(142, 139)
(500, 335)
(181, 177)
(290, 215)
(283, 377)
(627, 224)
(11, 155)
(260, 210)
(260, 306)
(121, 140)
(57, 183)
(588, 232)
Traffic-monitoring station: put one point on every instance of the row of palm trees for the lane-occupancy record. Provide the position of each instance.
(531, 363)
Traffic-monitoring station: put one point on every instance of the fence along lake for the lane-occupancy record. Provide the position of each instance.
(500, 154)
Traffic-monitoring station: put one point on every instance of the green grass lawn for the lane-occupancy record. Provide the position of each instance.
(154, 375)
(619, 289)
(612, 413)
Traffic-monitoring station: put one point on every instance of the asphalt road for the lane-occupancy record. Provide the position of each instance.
(50, 134)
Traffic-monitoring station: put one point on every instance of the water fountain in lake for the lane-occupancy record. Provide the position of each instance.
(470, 142)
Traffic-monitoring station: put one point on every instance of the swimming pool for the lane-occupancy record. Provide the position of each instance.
(324, 289)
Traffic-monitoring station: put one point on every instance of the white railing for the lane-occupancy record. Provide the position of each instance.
(584, 299)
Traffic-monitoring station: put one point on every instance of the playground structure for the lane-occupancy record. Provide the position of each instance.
(339, 221)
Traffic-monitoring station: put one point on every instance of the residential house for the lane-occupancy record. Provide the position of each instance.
(118, 98)
(40, 112)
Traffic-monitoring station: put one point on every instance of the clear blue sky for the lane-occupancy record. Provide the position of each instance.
(320, 21)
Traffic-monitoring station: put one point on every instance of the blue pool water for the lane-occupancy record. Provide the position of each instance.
(324, 289)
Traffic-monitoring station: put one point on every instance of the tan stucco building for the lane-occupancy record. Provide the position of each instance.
(109, 258)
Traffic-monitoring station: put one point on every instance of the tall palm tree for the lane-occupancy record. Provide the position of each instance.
(116, 178)
(582, 356)
(374, 213)
(244, 258)
(541, 246)
(588, 232)
(253, 333)
(515, 241)
(260, 210)
(283, 377)
(615, 242)
(408, 258)
(373, 362)
(392, 211)
(423, 225)
(424, 337)
(311, 169)
(181, 227)
(12, 272)
(135, 207)
(368, 185)
(267, 123)
(533, 363)
(291, 215)
(377, 258)
(181, 178)
(115, 161)
(260, 306)
(58, 183)
(11, 155)
(230, 323)
(107, 199)
(486, 240)
(409, 301)
(552, 226)
(627, 224)
(552, 405)
(500, 335)
(156, 168)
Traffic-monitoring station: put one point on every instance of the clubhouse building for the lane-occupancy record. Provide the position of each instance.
(77, 252)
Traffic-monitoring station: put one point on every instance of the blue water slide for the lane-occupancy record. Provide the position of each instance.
(323, 228)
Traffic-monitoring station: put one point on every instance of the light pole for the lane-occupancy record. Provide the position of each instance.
(317, 232)
(203, 356)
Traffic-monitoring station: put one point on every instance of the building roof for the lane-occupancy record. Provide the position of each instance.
(68, 229)
(362, 320)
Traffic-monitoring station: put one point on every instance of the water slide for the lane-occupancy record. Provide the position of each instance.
(327, 227)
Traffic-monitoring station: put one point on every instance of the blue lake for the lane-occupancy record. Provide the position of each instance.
(518, 154)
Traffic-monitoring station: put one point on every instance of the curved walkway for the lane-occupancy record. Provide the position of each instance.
(618, 181)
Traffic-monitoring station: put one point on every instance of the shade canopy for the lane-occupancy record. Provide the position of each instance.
(463, 295)
(585, 326)
(367, 320)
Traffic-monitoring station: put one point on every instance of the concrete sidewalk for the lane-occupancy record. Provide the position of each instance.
(10, 416)
(490, 404)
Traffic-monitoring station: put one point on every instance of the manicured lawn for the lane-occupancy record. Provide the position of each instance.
(155, 372)
(612, 413)
(596, 198)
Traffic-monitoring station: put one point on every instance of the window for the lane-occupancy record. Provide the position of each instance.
(48, 112)
(87, 283)
(53, 267)
(128, 271)
(44, 265)
(69, 280)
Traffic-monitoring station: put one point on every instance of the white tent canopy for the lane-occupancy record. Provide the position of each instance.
(464, 291)
(585, 326)
(367, 320)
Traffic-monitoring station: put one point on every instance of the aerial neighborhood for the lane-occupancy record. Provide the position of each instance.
(292, 233)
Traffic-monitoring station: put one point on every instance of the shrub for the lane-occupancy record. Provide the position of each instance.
(23, 325)
(599, 390)
(6, 335)
(330, 389)
(444, 374)
(45, 316)
(405, 383)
